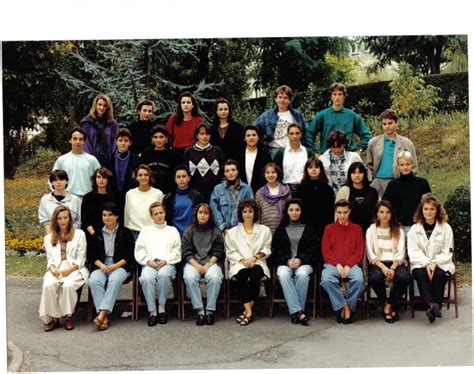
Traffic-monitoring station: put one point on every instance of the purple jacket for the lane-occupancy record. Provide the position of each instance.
(101, 149)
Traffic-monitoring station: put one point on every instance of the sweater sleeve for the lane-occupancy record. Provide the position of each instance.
(43, 215)
(444, 250)
(218, 249)
(280, 252)
(81, 250)
(309, 246)
(174, 255)
(187, 245)
(370, 237)
(142, 255)
(327, 246)
(400, 253)
(311, 132)
(363, 131)
(231, 247)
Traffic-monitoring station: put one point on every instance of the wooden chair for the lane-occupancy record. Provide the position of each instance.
(185, 300)
(278, 297)
(139, 298)
(230, 292)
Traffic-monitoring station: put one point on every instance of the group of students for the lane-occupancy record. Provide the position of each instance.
(201, 195)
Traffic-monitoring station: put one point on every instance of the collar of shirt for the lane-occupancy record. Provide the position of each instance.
(106, 230)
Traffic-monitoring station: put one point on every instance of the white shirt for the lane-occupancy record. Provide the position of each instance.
(293, 164)
(280, 136)
(250, 157)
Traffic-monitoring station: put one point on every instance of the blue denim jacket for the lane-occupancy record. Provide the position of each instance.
(267, 122)
(224, 205)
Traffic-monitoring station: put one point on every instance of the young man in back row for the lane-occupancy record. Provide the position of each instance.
(383, 150)
(274, 122)
(336, 117)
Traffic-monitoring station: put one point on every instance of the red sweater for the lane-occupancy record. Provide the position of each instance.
(343, 244)
(183, 133)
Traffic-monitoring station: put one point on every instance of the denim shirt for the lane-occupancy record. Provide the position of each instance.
(268, 120)
(224, 205)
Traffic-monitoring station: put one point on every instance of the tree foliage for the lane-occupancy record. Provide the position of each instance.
(411, 97)
(424, 52)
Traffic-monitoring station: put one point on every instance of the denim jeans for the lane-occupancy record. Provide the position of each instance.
(330, 282)
(151, 278)
(294, 283)
(106, 287)
(213, 278)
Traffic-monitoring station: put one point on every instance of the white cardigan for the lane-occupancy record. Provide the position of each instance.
(372, 243)
(239, 245)
(438, 249)
(75, 252)
(160, 242)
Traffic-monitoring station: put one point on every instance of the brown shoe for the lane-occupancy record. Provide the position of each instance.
(51, 325)
(68, 324)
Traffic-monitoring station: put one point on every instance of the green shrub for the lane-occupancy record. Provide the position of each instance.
(458, 207)
(40, 164)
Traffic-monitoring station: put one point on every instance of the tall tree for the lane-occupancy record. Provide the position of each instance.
(424, 52)
(296, 62)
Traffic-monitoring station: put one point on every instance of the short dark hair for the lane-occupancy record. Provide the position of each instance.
(338, 87)
(342, 203)
(231, 162)
(182, 167)
(58, 174)
(337, 137)
(123, 132)
(199, 127)
(77, 129)
(107, 174)
(158, 128)
(247, 203)
(144, 102)
(111, 207)
(389, 114)
(295, 124)
(257, 130)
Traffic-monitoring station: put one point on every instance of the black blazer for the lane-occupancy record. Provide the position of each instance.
(124, 248)
(258, 180)
(232, 142)
(309, 248)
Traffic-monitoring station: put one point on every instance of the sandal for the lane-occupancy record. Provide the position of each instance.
(97, 321)
(104, 326)
(246, 321)
(240, 318)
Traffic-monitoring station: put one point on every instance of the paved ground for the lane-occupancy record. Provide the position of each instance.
(266, 343)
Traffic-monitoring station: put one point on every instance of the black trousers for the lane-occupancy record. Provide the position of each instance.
(400, 283)
(431, 292)
(248, 283)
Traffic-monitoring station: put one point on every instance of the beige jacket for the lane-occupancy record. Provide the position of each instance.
(375, 153)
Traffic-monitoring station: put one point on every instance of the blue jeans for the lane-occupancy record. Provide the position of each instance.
(106, 287)
(151, 278)
(213, 278)
(294, 283)
(330, 282)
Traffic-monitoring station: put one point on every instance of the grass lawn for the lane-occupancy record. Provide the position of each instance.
(25, 266)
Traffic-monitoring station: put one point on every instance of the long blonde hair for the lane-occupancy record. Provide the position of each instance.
(55, 229)
(109, 113)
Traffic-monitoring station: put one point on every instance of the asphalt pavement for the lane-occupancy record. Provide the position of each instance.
(265, 344)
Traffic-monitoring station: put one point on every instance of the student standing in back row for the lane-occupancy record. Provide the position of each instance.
(183, 122)
(274, 122)
(141, 128)
(78, 164)
(336, 117)
(100, 127)
(382, 152)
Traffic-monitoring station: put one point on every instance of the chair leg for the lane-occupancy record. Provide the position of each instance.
(456, 312)
(90, 305)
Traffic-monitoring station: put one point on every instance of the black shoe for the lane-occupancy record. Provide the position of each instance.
(152, 319)
(303, 318)
(432, 312)
(162, 318)
(339, 318)
(200, 319)
(209, 319)
(347, 321)
(295, 318)
(439, 314)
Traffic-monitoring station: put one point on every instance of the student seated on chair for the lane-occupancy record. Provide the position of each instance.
(65, 250)
(247, 246)
(342, 248)
(294, 248)
(202, 249)
(157, 250)
(386, 254)
(110, 254)
(430, 249)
